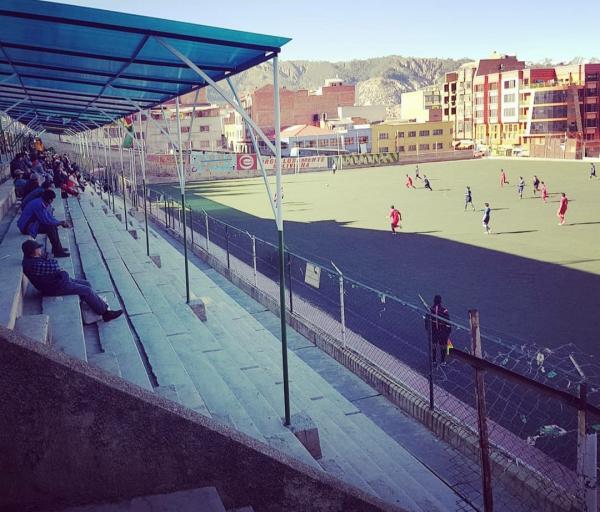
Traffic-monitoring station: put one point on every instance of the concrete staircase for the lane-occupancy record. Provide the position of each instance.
(234, 365)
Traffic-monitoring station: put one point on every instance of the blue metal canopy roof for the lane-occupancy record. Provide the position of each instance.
(73, 65)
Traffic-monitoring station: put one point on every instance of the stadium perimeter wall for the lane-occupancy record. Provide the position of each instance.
(71, 434)
(522, 480)
(162, 169)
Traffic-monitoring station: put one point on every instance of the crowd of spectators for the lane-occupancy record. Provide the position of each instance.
(38, 175)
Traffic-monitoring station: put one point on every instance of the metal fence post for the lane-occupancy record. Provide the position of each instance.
(192, 225)
(253, 238)
(166, 214)
(290, 282)
(484, 445)
(227, 245)
(342, 311)
(206, 224)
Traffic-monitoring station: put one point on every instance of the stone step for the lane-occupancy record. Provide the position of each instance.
(115, 336)
(205, 499)
(108, 361)
(221, 402)
(12, 281)
(36, 327)
(166, 365)
(67, 327)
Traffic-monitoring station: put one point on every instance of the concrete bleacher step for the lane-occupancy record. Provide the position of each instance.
(166, 365)
(205, 499)
(36, 327)
(115, 336)
(108, 361)
(67, 327)
(12, 281)
(373, 462)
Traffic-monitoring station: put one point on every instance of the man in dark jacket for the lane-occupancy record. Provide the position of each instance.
(438, 328)
(49, 279)
(37, 218)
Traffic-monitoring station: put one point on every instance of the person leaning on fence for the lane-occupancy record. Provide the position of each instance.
(49, 279)
(438, 328)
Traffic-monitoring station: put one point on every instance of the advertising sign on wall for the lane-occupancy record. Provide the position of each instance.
(246, 162)
(212, 161)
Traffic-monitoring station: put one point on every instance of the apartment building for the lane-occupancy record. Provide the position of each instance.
(458, 100)
(418, 105)
(411, 137)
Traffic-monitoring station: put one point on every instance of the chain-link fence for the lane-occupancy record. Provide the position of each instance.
(532, 406)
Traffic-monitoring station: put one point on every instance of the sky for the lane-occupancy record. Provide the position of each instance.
(339, 30)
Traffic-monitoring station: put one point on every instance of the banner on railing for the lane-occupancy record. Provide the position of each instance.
(312, 276)
(212, 161)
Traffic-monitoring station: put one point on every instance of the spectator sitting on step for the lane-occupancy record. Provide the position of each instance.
(37, 218)
(49, 279)
(19, 183)
(70, 185)
(32, 184)
(34, 194)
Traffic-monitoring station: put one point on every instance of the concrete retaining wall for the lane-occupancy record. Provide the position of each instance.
(71, 434)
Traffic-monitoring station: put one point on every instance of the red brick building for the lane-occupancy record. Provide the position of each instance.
(299, 107)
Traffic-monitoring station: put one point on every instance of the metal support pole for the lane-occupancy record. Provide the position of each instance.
(143, 165)
(484, 445)
(284, 355)
(342, 310)
(206, 224)
(227, 246)
(192, 226)
(124, 201)
(254, 260)
(289, 264)
(182, 186)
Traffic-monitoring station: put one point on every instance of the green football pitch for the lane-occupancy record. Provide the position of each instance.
(532, 280)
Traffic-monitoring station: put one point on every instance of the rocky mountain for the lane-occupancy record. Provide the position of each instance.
(379, 80)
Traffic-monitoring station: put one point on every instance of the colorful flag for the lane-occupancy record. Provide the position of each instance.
(128, 139)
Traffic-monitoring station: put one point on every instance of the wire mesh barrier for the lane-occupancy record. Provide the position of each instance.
(530, 397)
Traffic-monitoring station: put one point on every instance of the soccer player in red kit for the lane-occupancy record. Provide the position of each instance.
(562, 208)
(503, 180)
(409, 182)
(395, 218)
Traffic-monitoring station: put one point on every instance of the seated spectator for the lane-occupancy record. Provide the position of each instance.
(32, 184)
(19, 183)
(49, 279)
(34, 194)
(70, 185)
(37, 218)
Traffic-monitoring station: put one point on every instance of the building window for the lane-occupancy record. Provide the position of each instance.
(493, 112)
(363, 139)
(438, 145)
(508, 112)
(400, 149)
(204, 128)
(510, 98)
(549, 112)
(383, 136)
(591, 123)
(494, 86)
(400, 135)
(591, 107)
(185, 129)
(438, 131)
(550, 97)
(424, 133)
(493, 100)
(348, 141)
(384, 149)
(423, 147)
(509, 84)
(412, 147)
(592, 77)
(412, 134)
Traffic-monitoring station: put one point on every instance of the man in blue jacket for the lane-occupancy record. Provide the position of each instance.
(49, 279)
(37, 218)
